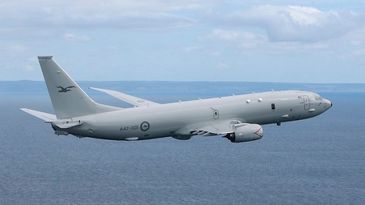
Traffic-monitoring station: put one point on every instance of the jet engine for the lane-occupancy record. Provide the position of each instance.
(246, 132)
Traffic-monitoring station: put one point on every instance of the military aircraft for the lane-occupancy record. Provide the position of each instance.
(237, 118)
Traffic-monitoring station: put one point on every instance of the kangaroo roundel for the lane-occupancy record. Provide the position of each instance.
(145, 126)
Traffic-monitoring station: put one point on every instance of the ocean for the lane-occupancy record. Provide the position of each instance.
(315, 161)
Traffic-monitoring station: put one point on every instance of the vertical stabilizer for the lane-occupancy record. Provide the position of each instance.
(68, 99)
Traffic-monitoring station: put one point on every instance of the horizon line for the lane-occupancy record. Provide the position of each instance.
(202, 81)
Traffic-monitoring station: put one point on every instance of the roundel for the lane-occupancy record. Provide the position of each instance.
(145, 126)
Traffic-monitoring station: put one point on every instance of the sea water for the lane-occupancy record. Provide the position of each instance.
(315, 161)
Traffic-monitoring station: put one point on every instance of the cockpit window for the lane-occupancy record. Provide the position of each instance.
(317, 97)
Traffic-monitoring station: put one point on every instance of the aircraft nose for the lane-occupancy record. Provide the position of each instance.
(328, 103)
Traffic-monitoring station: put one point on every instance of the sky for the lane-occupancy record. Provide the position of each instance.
(310, 41)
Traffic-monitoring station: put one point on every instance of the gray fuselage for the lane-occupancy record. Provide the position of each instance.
(178, 119)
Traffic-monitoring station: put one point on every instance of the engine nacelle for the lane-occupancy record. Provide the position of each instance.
(246, 132)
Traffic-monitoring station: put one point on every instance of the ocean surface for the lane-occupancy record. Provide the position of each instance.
(315, 161)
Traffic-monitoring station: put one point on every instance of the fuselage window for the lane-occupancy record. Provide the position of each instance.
(273, 106)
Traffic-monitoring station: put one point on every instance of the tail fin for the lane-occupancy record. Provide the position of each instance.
(67, 98)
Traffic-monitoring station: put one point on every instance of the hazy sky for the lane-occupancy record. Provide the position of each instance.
(186, 40)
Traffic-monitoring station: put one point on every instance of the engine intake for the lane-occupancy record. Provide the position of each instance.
(246, 132)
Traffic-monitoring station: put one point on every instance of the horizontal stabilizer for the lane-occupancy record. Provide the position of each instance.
(41, 115)
(139, 102)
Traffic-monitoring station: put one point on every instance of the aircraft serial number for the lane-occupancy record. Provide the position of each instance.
(126, 128)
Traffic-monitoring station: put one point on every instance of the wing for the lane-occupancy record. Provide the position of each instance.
(46, 117)
(216, 127)
(139, 102)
